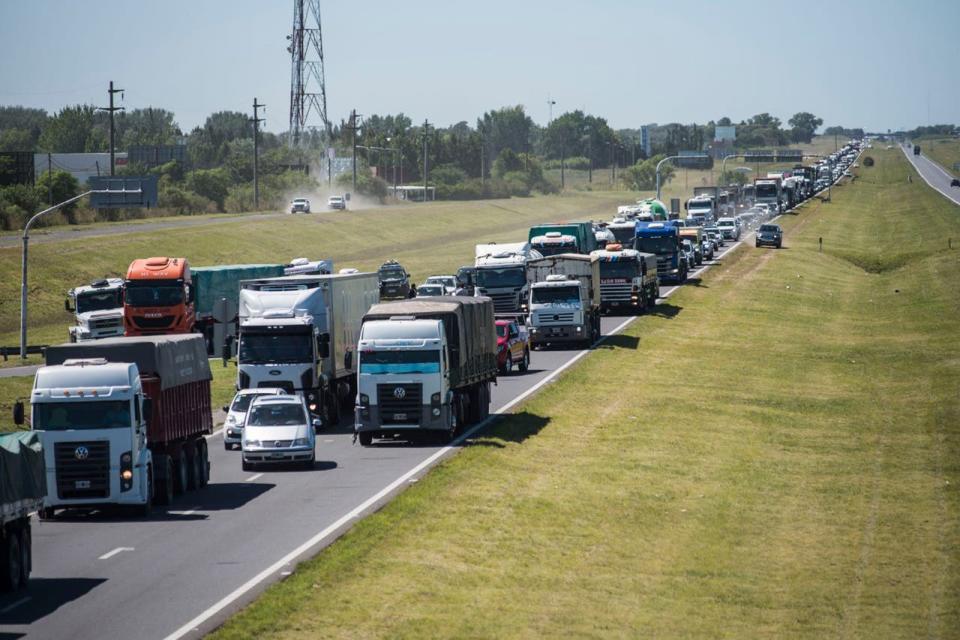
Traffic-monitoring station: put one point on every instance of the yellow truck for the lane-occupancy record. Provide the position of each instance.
(694, 235)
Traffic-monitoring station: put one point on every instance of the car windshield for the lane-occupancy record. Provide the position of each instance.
(658, 244)
(157, 293)
(392, 274)
(561, 295)
(303, 201)
(726, 223)
(98, 301)
(276, 415)
(374, 362)
(98, 414)
(285, 348)
(430, 290)
(769, 228)
(241, 402)
(503, 277)
(619, 269)
(443, 281)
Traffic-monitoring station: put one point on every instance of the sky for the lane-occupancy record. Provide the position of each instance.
(876, 64)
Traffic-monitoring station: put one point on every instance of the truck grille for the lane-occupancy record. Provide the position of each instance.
(504, 302)
(663, 265)
(404, 410)
(546, 318)
(107, 323)
(82, 469)
(153, 323)
(619, 291)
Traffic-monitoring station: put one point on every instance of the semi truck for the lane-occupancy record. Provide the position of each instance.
(500, 274)
(122, 421)
(563, 237)
(628, 279)
(425, 366)
(769, 191)
(299, 333)
(702, 208)
(158, 297)
(97, 309)
(21, 493)
(663, 240)
(624, 230)
(916, 149)
(564, 302)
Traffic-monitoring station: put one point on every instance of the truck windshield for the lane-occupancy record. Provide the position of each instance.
(97, 414)
(659, 245)
(286, 348)
(621, 269)
(156, 293)
(555, 248)
(503, 277)
(766, 191)
(624, 234)
(399, 362)
(98, 301)
(562, 295)
(276, 415)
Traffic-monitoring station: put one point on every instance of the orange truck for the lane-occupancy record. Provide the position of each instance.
(158, 297)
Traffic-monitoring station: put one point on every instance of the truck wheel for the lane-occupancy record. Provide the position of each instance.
(26, 556)
(204, 464)
(164, 488)
(47, 513)
(366, 438)
(193, 470)
(182, 478)
(525, 363)
(331, 411)
(10, 576)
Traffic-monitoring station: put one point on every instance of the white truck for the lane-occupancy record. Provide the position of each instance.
(21, 493)
(628, 279)
(702, 208)
(425, 367)
(564, 299)
(500, 274)
(299, 333)
(97, 309)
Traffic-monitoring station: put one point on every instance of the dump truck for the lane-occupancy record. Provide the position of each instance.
(564, 303)
(425, 366)
(628, 279)
(122, 421)
(22, 491)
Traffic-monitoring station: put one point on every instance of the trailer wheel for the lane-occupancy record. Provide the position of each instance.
(182, 477)
(10, 575)
(204, 464)
(26, 556)
(164, 487)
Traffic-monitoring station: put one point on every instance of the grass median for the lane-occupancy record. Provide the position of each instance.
(772, 453)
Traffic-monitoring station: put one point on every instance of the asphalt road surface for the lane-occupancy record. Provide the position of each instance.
(186, 569)
(933, 174)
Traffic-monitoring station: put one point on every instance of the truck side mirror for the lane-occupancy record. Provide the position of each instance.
(18, 413)
(147, 408)
(323, 346)
(67, 306)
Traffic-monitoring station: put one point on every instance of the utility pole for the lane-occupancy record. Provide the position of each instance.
(256, 120)
(426, 135)
(353, 129)
(563, 161)
(111, 109)
(590, 158)
(550, 104)
(50, 176)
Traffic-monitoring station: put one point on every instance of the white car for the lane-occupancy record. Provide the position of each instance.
(279, 429)
(729, 228)
(427, 290)
(336, 202)
(237, 412)
(300, 205)
(449, 283)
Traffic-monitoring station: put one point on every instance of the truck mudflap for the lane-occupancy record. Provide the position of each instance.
(373, 419)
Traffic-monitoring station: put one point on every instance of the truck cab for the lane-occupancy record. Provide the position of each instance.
(563, 237)
(663, 240)
(158, 297)
(628, 279)
(769, 190)
(553, 243)
(500, 274)
(560, 311)
(97, 309)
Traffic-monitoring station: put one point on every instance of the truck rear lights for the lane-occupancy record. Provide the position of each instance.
(126, 471)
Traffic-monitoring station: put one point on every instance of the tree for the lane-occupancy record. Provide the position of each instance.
(765, 120)
(505, 128)
(724, 122)
(804, 126)
(148, 127)
(72, 131)
(62, 186)
(577, 134)
(643, 175)
(213, 184)
(207, 145)
(20, 128)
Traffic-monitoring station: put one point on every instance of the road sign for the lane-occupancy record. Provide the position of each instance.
(126, 192)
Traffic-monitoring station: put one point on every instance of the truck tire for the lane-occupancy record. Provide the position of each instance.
(26, 556)
(163, 485)
(366, 438)
(331, 410)
(146, 509)
(193, 468)
(182, 477)
(204, 463)
(10, 573)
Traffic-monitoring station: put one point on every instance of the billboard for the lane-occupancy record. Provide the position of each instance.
(124, 192)
(725, 133)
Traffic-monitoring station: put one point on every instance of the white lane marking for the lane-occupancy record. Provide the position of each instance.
(110, 554)
(254, 477)
(11, 607)
(357, 511)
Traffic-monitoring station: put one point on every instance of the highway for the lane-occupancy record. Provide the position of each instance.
(933, 174)
(187, 568)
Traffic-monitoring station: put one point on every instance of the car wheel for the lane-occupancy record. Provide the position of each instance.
(525, 363)
(227, 446)
(247, 466)
(508, 368)
(309, 464)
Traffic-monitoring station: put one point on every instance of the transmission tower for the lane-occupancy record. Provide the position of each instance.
(308, 90)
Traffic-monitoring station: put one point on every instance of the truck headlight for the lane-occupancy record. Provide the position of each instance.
(435, 399)
(126, 471)
(231, 420)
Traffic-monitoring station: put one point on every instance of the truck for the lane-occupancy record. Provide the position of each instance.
(158, 297)
(21, 493)
(500, 274)
(702, 208)
(628, 279)
(97, 309)
(769, 191)
(916, 149)
(299, 333)
(563, 237)
(624, 230)
(663, 240)
(695, 236)
(122, 421)
(425, 367)
(564, 299)
(652, 210)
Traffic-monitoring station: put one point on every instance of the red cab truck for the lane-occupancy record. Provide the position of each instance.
(158, 297)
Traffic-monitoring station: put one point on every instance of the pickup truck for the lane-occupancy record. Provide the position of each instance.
(513, 346)
(300, 205)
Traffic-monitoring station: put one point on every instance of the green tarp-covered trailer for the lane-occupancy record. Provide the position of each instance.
(23, 483)
(214, 283)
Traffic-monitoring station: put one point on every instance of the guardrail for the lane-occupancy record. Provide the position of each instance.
(6, 352)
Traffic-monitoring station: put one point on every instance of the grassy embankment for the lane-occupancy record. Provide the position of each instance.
(428, 239)
(944, 151)
(772, 454)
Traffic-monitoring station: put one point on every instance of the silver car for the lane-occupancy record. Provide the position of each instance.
(279, 429)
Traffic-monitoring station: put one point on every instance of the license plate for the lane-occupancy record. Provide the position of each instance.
(277, 455)
(399, 416)
(81, 484)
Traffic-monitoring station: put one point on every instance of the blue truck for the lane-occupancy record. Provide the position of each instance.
(663, 240)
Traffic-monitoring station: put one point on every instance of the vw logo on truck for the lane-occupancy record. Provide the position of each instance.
(399, 393)
(81, 453)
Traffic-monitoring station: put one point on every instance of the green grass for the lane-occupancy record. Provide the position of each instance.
(944, 151)
(772, 454)
(435, 238)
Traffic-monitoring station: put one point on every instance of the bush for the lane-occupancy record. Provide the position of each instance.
(448, 174)
(867, 161)
(367, 184)
(182, 201)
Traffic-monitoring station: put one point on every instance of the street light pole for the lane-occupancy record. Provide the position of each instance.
(660, 164)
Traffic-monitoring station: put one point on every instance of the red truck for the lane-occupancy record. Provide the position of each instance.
(513, 346)
(158, 297)
(123, 420)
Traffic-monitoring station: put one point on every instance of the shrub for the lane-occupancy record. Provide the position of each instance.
(867, 161)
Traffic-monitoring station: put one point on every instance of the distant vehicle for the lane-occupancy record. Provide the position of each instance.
(336, 202)
(691, 252)
(449, 283)
(97, 309)
(513, 346)
(715, 233)
(729, 228)
(300, 205)
(237, 413)
(279, 429)
(955, 182)
(916, 149)
(426, 290)
(769, 234)
(394, 281)
(466, 281)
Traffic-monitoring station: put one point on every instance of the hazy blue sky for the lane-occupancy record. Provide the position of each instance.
(876, 64)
